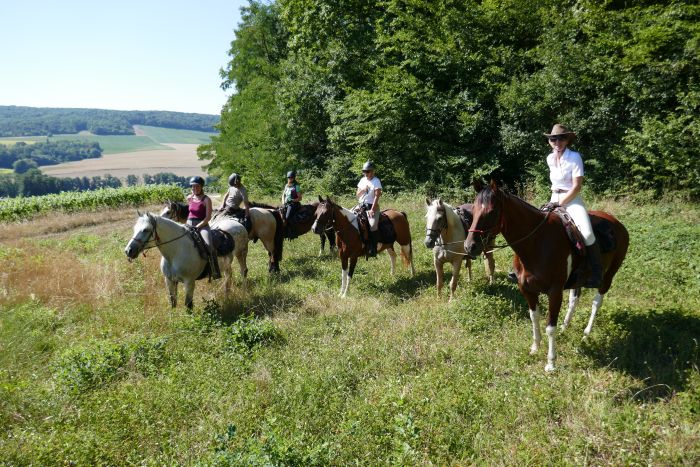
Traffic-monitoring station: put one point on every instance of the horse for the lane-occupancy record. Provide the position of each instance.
(181, 261)
(544, 258)
(445, 234)
(266, 226)
(349, 241)
(302, 221)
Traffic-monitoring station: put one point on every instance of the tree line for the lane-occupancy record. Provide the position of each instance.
(38, 121)
(439, 92)
(35, 183)
(22, 156)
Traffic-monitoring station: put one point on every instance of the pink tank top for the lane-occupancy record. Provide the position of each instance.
(198, 209)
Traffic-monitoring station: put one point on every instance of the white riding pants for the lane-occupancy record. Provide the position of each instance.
(578, 212)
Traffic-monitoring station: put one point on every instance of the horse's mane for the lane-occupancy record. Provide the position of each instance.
(487, 196)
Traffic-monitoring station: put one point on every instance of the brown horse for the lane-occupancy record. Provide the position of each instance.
(544, 259)
(349, 242)
(301, 223)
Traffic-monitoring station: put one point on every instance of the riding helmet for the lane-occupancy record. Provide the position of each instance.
(233, 179)
(196, 180)
(291, 173)
(369, 165)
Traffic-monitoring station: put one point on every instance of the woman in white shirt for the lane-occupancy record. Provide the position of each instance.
(369, 189)
(566, 175)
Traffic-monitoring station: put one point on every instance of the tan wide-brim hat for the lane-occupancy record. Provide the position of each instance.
(559, 130)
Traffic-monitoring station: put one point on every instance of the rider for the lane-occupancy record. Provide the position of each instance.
(233, 198)
(566, 175)
(291, 199)
(200, 210)
(369, 190)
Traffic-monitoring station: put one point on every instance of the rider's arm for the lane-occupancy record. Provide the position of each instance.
(573, 192)
(298, 200)
(246, 204)
(377, 194)
(205, 222)
(223, 203)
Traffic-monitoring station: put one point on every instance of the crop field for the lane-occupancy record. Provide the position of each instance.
(110, 144)
(95, 368)
(171, 135)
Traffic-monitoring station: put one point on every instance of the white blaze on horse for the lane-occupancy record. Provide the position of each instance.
(349, 241)
(266, 225)
(445, 233)
(181, 261)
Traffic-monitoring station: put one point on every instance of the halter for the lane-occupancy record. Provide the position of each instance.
(333, 208)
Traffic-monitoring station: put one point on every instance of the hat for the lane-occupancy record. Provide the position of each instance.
(558, 130)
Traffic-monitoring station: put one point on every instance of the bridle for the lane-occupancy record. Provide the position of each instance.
(332, 212)
(153, 236)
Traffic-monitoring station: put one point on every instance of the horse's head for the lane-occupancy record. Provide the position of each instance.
(435, 221)
(487, 218)
(174, 211)
(323, 215)
(144, 232)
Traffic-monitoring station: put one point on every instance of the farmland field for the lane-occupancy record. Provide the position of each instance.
(180, 159)
(96, 369)
(171, 135)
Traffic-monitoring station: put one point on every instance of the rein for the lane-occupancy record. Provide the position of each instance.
(156, 239)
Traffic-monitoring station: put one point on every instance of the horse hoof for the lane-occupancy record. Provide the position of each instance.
(533, 349)
(562, 328)
(549, 367)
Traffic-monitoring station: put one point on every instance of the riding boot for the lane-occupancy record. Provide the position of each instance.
(373, 240)
(594, 260)
(215, 273)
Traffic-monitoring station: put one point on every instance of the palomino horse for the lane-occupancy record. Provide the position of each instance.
(544, 256)
(304, 219)
(181, 261)
(266, 226)
(350, 246)
(445, 234)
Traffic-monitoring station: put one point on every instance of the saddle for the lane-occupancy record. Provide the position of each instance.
(223, 242)
(238, 215)
(387, 234)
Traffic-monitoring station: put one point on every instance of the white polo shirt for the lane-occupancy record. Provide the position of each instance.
(374, 184)
(570, 166)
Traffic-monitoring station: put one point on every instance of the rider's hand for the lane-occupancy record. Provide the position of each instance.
(550, 206)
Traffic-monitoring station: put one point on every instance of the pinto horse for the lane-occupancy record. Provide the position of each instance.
(266, 226)
(181, 261)
(303, 220)
(544, 257)
(349, 242)
(445, 234)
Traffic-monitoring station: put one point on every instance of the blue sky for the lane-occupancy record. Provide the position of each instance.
(124, 55)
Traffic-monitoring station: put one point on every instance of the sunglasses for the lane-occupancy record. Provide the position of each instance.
(557, 138)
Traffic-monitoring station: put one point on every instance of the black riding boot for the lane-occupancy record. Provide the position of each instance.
(215, 273)
(373, 240)
(596, 277)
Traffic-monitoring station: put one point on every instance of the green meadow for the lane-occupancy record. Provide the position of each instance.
(95, 368)
(171, 135)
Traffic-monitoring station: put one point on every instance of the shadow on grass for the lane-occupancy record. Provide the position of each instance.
(260, 302)
(659, 347)
(402, 285)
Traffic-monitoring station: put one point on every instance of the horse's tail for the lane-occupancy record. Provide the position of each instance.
(407, 259)
(279, 237)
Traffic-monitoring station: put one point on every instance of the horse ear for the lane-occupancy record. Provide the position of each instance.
(493, 184)
(427, 201)
(138, 213)
(439, 202)
(320, 199)
(478, 185)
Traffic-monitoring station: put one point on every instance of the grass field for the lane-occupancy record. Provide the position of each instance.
(109, 144)
(96, 369)
(171, 135)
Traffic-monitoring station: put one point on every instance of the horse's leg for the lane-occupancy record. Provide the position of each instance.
(323, 244)
(351, 271)
(535, 318)
(468, 263)
(241, 256)
(555, 298)
(226, 271)
(189, 293)
(407, 253)
(456, 268)
(439, 273)
(172, 291)
(574, 295)
(343, 275)
(597, 302)
(392, 256)
(490, 266)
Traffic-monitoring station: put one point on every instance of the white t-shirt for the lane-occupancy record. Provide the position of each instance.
(374, 184)
(570, 166)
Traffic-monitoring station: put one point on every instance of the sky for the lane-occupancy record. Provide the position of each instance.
(121, 55)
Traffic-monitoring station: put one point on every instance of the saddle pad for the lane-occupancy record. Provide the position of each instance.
(223, 242)
(387, 234)
(604, 235)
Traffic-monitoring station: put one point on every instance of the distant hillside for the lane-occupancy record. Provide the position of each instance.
(40, 121)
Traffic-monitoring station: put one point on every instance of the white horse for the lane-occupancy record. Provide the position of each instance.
(181, 261)
(442, 221)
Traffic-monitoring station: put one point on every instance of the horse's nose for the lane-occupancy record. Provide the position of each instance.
(314, 228)
(429, 242)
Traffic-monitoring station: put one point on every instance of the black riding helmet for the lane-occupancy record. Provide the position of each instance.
(292, 174)
(196, 180)
(233, 179)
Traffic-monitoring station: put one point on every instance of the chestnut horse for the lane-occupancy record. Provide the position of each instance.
(544, 256)
(445, 234)
(349, 242)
